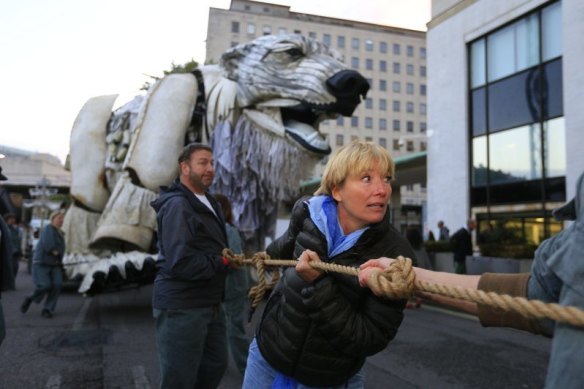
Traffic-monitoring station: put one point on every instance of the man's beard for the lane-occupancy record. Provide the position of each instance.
(197, 181)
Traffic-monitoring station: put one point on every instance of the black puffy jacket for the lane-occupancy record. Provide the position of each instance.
(321, 333)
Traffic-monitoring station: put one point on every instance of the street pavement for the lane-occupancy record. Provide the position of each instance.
(107, 341)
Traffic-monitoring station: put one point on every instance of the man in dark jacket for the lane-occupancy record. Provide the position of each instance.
(461, 242)
(190, 279)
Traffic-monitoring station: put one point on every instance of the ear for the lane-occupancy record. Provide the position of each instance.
(231, 59)
(336, 194)
(183, 167)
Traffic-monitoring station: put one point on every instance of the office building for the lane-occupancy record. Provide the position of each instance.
(505, 109)
(392, 59)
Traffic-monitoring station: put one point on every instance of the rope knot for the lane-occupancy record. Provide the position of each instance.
(236, 259)
(396, 282)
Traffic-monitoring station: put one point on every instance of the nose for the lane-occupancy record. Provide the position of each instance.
(348, 86)
(382, 188)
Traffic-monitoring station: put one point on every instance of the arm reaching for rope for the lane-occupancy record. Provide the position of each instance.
(507, 284)
(465, 281)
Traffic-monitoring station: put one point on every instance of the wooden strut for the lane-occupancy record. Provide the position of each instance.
(398, 281)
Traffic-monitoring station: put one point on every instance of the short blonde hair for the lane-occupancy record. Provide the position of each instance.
(356, 157)
(56, 213)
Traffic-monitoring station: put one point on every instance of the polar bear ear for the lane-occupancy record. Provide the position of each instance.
(231, 59)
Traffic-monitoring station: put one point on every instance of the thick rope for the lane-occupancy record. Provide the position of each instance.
(398, 281)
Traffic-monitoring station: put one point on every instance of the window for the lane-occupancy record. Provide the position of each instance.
(410, 107)
(355, 121)
(340, 139)
(368, 139)
(382, 104)
(422, 146)
(396, 68)
(368, 103)
(355, 62)
(422, 89)
(369, 45)
(422, 71)
(235, 27)
(251, 28)
(298, 32)
(382, 66)
(341, 42)
(409, 88)
(396, 87)
(396, 125)
(383, 142)
(422, 52)
(551, 31)
(396, 106)
(410, 145)
(266, 9)
(423, 126)
(312, 34)
(383, 47)
(354, 137)
(340, 121)
(355, 43)
(326, 39)
(233, 44)
(410, 69)
(282, 30)
(382, 85)
(368, 122)
(383, 124)
(370, 82)
(369, 64)
(267, 30)
(410, 126)
(396, 49)
(513, 48)
(422, 108)
(396, 144)
(515, 105)
(410, 51)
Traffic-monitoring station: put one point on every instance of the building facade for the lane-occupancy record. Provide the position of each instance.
(505, 112)
(392, 59)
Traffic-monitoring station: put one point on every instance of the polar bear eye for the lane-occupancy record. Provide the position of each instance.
(294, 52)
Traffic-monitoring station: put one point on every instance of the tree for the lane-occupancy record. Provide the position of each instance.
(187, 67)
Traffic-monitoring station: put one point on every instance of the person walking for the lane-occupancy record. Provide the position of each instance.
(47, 272)
(318, 328)
(461, 242)
(236, 286)
(16, 237)
(190, 278)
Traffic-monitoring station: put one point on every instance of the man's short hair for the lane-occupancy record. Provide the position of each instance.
(189, 149)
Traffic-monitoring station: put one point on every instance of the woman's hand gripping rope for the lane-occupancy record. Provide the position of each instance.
(396, 278)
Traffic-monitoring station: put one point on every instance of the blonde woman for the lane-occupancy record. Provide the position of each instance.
(318, 328)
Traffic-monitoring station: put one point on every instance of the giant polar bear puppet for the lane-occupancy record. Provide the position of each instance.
(259, 109)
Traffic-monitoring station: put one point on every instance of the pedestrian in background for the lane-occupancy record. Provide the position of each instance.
(190, 278)
(461, 243)
(47, 271)
(16, 239)
(6, 273)
(236, 286)
(443, 231)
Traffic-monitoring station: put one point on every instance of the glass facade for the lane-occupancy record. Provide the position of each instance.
(516, 120)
